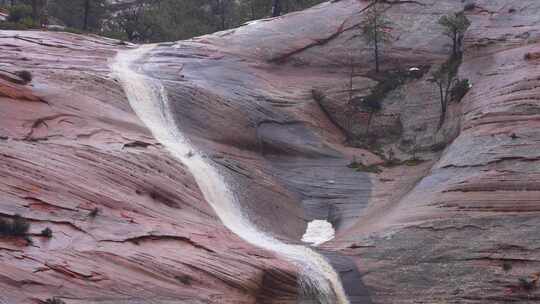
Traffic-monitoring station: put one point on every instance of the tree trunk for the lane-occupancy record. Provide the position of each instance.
(443, 106)
(351, 81)
(377, 57)
(455, 44)
(376, 41)
(35, 10)
(276, 8)
(86, 14)
(369, 122)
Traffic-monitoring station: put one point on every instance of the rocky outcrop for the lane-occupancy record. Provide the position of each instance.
(458, 227)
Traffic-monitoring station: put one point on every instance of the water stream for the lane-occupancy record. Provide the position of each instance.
(148, 98)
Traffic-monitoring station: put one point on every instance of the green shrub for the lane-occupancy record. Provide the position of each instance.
(19, 12)
(94, 212)
(28, 22)
(18, 226)
(460, 89)
(54, 301)
(47, 232)
(5, 227)
(24, 75)
(363, 168)
(389, 81)
(469, 6)
(413, 162)
(12, 26)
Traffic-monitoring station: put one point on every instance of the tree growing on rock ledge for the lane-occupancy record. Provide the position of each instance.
(455, 26)
(376, 30)
(449, 85)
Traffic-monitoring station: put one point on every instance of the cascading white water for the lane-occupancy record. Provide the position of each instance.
(318, 232)
(149, 100)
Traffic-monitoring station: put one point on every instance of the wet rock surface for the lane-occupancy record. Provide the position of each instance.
(458, 227)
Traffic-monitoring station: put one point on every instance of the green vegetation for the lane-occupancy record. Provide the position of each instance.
(54, 301)
(26, 76)
(86, 15)
(17, 13)
(47, 232)
(20, 18)
(147, 21)
(455, 26)
(363, 168)
(391, 161)
(469, 6)
(18, 226)
(387, 82)
(450, 87)
(460, 89)
(94, 212)
(375, 30)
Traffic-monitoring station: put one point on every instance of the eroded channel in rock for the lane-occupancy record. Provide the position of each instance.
(318, 280)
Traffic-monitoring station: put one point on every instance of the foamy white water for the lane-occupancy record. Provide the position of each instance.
(150, 102)
(318, 232)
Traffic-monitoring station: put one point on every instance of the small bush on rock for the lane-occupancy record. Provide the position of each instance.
(47, 232)
(460, 89)
(469, 6)
(363, 168)
(18, 226)
(24, 75)
(94, 212)
(54, 301)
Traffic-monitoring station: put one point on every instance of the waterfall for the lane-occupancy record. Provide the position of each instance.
(150, 102)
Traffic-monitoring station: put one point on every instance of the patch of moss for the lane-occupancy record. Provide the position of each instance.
(363, 168)
(413, 162)
(392, 163)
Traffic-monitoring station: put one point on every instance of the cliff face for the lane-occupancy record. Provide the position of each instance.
(460, 227)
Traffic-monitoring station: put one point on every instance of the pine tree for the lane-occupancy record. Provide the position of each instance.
(375, 30)
(455, 26)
